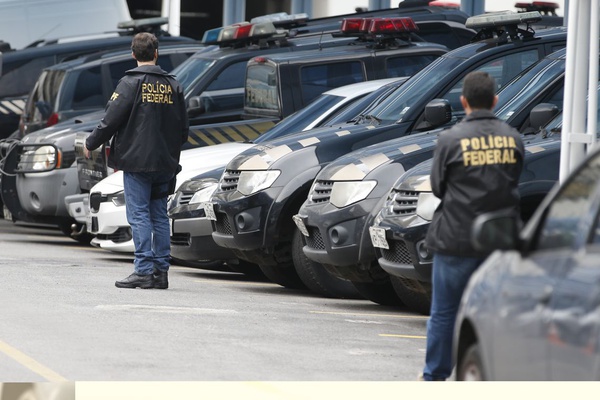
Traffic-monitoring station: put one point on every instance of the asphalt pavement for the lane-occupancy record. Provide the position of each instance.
(63, 319)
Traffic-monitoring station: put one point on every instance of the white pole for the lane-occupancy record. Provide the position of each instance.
(565, 147)
(164, 12)
(175, 17)
(592, 124)
(578, 124)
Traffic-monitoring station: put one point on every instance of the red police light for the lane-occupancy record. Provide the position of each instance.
(351, 25)
(392, 25)
(242, 31)
(522, 5)
(260, 60)
(366, 24)
(548, 4)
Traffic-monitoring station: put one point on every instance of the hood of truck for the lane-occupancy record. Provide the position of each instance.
(262, 156)
(357, 165)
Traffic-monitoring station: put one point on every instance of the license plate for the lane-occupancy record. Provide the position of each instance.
(209, 211)
(300, 224)
(378, 238)
(88, 223)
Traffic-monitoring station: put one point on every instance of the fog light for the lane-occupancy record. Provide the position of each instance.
(35, 201)
(244, 221)
(338, 235)
(423, 251)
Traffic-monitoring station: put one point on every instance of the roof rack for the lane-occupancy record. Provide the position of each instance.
(503, 25)
(152, 25)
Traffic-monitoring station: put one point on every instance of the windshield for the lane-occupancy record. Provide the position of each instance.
(301, 119)
(516, 94)
(190, 71)
(414, 89)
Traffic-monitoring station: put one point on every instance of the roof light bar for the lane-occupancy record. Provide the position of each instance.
(378, 25)
(502, 18)
(280, 18)
(444, 4)
(239, 31)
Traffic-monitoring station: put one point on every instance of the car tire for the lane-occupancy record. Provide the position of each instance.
(414, 294)
(379, 292)
(284, 273)
(317, 278)
(471, 367)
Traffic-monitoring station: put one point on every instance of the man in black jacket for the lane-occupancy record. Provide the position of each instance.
(147, 124)
(476, 169)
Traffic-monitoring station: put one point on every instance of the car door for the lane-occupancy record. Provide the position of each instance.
(524, 332)
(573, 331)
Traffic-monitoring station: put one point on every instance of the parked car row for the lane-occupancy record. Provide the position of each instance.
(309, 160)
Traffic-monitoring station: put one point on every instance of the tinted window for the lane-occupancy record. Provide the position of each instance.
(317, 79)
(503, 69)
(230, 78)
(569, 208)
(407, 66)
(88, 89)
(191, 71)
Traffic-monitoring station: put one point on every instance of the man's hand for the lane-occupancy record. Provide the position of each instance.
(86, 152)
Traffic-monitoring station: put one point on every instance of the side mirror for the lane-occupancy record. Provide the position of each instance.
(438, 112)
(497, 230)
(541, 114)
(195, 106)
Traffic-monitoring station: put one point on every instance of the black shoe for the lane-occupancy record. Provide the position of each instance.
(134, 281)
(161, 279)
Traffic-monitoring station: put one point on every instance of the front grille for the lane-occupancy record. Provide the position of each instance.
(315, 240)
(120, 236)
(404, 202)
(223, 225)
(181, 239)
(321, 191)
(398, 253)
(229, 180)
(185, 197)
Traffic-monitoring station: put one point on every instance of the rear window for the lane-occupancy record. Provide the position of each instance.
(261, 88)
(317, 79)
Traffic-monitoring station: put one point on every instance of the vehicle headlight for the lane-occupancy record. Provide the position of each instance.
(44, 158)
(426, 205)
(193, 185)
(118, 199)
(254, 181)
(346, 193)
(204, 194)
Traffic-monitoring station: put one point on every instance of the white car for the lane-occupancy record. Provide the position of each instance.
(107, 218)
(37, 391)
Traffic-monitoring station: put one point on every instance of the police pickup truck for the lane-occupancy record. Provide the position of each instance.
(347, 194)
(265, 186)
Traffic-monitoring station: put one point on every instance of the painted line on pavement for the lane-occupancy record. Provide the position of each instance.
(163, 309)
(236, 282)
(30, 363)
(402, 336)
(401, 316)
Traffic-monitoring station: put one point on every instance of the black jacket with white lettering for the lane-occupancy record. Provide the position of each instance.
(147, 120)
(476, 169)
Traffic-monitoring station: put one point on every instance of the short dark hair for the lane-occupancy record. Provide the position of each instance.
(479, 88)
(143, 46)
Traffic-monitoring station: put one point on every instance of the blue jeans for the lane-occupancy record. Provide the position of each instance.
(148, 219)
(449, 278)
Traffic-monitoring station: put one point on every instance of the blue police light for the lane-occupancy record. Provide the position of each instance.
(212, 35)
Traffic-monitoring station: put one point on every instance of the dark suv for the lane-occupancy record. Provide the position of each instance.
(264, 187)
(85, 84)
(21, 68)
